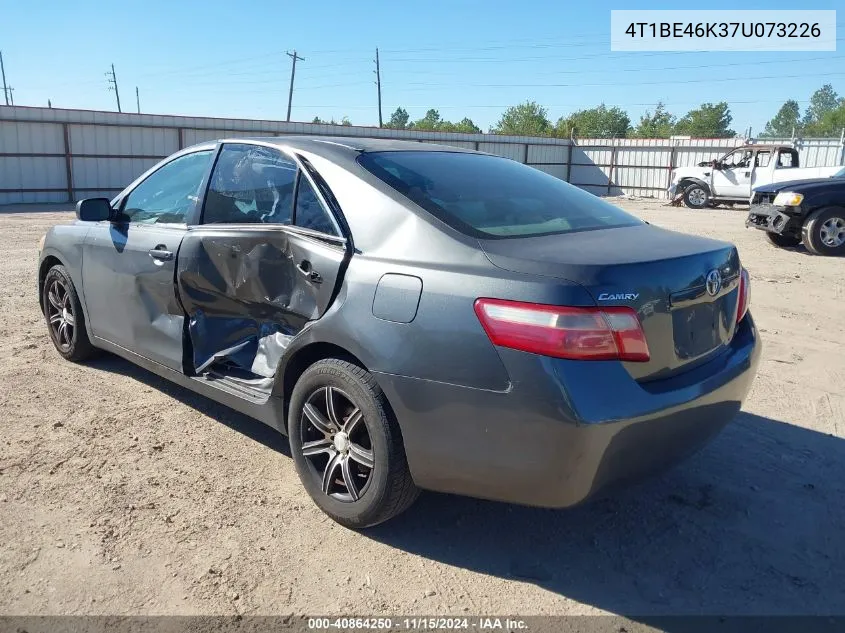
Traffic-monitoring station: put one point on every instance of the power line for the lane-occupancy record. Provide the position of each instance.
(293, 57)
(113, 81)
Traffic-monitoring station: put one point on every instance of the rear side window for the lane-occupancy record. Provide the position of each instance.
(489, 197)
(250, 184)
(310, 214)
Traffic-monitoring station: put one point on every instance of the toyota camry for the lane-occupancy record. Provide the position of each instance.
(411, 316)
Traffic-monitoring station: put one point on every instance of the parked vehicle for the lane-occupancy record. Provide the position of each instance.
(411, 316)
(732, 177)
(808, 211)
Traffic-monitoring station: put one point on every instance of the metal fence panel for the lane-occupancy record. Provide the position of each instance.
(112, 140)
(113, 173)
(31, 138)
(29, 172)
(514, 151)
(104, 151)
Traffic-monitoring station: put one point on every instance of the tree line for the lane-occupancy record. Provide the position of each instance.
(824, 116)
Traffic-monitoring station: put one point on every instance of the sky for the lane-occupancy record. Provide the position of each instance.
(466, 59)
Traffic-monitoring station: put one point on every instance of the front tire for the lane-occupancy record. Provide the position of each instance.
(63, 313)
(783, 241)
(347, 447)
(696, 196)
(824, 232)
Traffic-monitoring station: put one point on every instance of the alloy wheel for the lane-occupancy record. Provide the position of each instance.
(60, 314)
(336, 444)
(832, 232)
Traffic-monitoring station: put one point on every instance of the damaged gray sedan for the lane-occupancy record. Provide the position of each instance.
(411, 316)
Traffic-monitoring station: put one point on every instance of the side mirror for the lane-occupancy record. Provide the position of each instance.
(717, 165)
(93, 209)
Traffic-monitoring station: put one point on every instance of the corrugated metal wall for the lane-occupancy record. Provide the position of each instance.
(55, 155)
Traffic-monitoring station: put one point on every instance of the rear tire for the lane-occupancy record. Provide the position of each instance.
(783, 241)
(347, 447)
(824, 231)
(696, 196)
(63, 313)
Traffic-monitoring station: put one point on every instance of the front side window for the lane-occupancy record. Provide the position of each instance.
(250, 184)
(739, 158)
(489, 197)
(762, 159)
(310, 214)
(169, 193)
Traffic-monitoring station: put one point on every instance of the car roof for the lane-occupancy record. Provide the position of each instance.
(351, 146)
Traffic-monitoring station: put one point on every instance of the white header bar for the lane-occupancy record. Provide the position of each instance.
(760, 30)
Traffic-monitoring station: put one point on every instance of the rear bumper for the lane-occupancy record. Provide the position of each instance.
(773, 219)
(569, 430)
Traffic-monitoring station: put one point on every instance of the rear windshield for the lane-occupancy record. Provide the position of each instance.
(489, 197)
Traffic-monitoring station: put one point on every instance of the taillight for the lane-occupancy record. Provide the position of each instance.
(743, 298)
(564, 332)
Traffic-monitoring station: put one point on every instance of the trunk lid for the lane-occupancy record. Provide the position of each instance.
(663, 275)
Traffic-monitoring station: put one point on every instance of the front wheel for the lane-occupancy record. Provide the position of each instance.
(63, 313)
(347, 447)
(696, 197)
(783, 241)
(824, 232)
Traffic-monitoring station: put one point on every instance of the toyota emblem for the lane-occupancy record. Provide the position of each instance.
(714, 282)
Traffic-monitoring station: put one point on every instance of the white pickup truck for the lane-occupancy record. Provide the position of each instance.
(733, 177)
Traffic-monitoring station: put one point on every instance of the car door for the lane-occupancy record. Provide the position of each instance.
(129, 263)
(266, 259)
(762, 168)
(733, 180)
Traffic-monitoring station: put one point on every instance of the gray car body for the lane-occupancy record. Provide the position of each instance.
(476, 419)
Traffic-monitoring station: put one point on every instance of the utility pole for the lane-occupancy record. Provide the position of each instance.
(3, 72)
(137, 100)
(294, 57)
(378, 84)
(11, 96)
(113, 81)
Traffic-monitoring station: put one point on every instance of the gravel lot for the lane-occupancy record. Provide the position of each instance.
(123, 494)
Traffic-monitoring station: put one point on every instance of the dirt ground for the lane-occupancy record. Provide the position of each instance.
(122, 494)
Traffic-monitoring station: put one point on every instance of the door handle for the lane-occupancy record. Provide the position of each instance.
(160, 252)
(304, 267)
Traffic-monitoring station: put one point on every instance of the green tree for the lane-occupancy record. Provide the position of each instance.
(831, 124)
(399, 119)
(465, 126)
(787, 120)
(824, 100)
(600, 122)
(343, 121)
(708, 121)
(525, 119)
(657, 124)
(431, 122)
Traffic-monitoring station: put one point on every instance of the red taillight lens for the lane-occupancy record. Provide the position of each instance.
(564, 332)
(743, 298)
